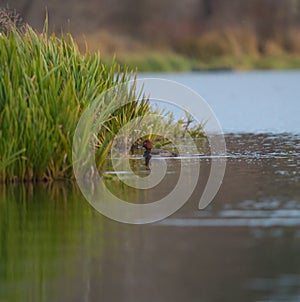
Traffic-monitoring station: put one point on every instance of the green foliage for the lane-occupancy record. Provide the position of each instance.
(183, 62)
(45, 85)
(147, 62)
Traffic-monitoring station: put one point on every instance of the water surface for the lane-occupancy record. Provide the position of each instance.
(244, 246)
(251, 102)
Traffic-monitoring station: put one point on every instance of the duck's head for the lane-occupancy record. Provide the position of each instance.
(147, 144)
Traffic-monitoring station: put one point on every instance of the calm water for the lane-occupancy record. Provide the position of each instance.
(244, 247)
(261, 101)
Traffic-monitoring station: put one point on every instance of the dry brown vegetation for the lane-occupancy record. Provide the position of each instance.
(201, 30)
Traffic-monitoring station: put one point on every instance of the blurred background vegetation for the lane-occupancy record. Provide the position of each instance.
(156, 35)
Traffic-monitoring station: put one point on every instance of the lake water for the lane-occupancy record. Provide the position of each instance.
(251, 102)
(244, 246)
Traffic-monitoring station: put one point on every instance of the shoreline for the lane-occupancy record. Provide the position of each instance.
(172, 62)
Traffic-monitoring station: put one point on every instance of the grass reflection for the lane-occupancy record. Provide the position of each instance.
(43, 231)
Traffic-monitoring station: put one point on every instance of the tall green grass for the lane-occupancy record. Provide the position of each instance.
(45, 85)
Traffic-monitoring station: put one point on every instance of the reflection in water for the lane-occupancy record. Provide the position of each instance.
(244, 247)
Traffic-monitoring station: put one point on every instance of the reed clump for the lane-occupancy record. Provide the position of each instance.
(45, 85)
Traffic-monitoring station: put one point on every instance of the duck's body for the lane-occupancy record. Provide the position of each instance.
(149, 152)
(163, 153)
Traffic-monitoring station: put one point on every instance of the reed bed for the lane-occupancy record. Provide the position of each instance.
(45, 85)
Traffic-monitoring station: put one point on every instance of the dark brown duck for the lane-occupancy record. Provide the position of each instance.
(149, 152)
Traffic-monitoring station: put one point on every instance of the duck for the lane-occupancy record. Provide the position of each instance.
(149, 152)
